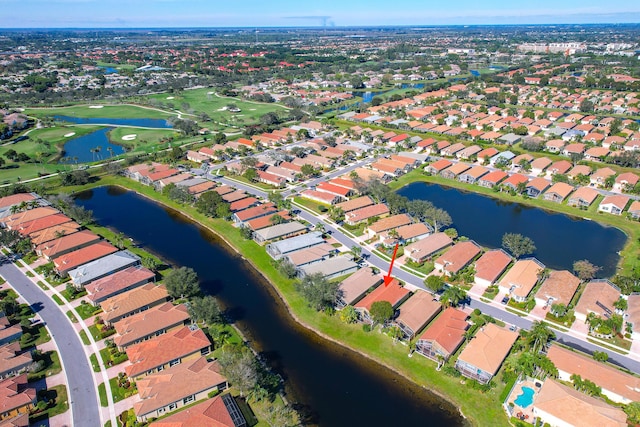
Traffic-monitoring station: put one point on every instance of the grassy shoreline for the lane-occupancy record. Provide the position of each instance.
(628, 259)
(478, 408)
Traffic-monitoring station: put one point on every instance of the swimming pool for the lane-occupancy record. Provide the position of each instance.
(525, 398)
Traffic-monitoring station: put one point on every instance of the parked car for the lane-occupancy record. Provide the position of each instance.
(505, 300)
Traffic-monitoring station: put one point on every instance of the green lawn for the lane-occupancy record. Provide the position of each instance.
(72, 317)
(312, 205)
(51, 366)
(146, 139)
(86, 310)
(482, 408)
(107, 111)
(71, 296)
(117, 393)
(112, 357)
(94, 363)
(98, 334)
(35, 335)
(57, 299)
(202, 101)
(628, 258)
(84, 337)
(58, 396)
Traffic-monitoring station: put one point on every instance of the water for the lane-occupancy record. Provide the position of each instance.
(525, 398)
(146, 123)
(560, 239)
(369, 95)
(110, 70)
(81, 147)
(333, 386)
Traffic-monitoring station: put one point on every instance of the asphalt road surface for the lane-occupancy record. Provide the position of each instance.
(83, 398)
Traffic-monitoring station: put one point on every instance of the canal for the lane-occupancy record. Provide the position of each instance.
(331, 385)
(560, 239)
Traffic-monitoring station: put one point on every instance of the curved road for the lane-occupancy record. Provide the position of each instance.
(83, 398)
(492, 309)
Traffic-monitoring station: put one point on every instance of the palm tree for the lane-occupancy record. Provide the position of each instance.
(110, 150)
(356, 251)
(453, 296)
(539, 335)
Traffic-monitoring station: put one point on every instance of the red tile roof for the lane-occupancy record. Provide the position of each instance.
(447, 330)
(82, 256)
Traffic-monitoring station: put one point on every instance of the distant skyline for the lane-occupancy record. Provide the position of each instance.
(282, 13)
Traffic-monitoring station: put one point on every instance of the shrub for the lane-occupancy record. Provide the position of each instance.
(366, 327)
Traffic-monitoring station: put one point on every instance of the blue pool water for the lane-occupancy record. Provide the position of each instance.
(525, 398)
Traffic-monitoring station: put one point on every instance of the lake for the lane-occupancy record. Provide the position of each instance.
(560, 239)
(145, 123)
(81, 147)
(331, 385)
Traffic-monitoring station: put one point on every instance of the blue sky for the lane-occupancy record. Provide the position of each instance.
(233, 13)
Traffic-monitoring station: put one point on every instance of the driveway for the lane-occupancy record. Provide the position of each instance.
(83, 397)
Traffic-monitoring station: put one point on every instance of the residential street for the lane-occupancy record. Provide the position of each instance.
(631, 361)
(83, 396)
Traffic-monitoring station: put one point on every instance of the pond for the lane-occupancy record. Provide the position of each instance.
(81, 149)
(560, 239)
(145, 123)
(330, 384)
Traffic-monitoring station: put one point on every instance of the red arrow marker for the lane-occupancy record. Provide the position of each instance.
(388, 278)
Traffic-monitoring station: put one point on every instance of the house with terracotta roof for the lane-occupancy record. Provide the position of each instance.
(356, 286)
(472, 175)
(492, 179)
(438, 166)
(52, 233)
(484, 155)
(634, 210)
(617, 385)
(342, 192)
(558, 192)
(423, 249)
(539, 165)
(393, 293)
(405, 234)
(357, 216)
(485, 352)
(455, 170)
(579, 170)
(521, 278)
(353, 204)
(560, 167)
(117, 283)
(29, 227)
(321, 197)
(598, 297)
(514, 180)
(176, 387)
(583, 197)
(74, 259)
(444, 335)
(14, 221)
(554, 145)
(264, 209)
(8, 332)
(167, 350)
(558, 288)
(220, 411)
(17, 397)
(15, 200)
(614, 204)
(13, 361)
(625, 181)
(416, 313)
(150, 323)
(490, 266)
(599, 177)
(457, 257)
(134, 301)
(559, 405)
(574, 149)
(537, 186)
(66, 244)
(385, 224)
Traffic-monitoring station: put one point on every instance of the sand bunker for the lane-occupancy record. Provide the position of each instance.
(130, 137)
(252, 109)
(96, 106)
(210, 93)
(69, 135)
(170, 97)
(222, 109)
